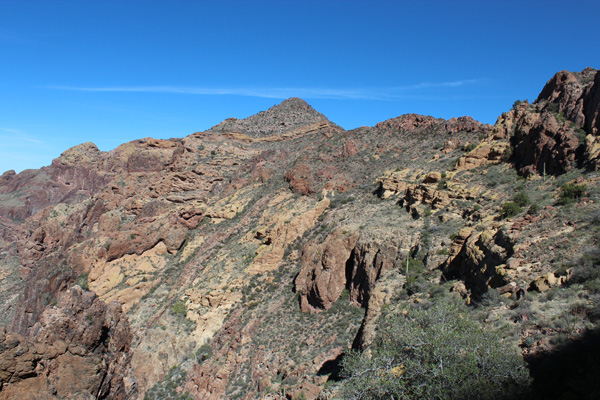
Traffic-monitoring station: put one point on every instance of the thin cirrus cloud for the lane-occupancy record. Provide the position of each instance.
(17, 136)
(387, 93)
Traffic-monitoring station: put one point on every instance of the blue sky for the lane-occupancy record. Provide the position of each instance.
(114, 71)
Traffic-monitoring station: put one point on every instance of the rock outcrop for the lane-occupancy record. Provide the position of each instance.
(79, 348)
(323, 275)
(479, 260)
(414, 123)
(577, 95)
(549, 136)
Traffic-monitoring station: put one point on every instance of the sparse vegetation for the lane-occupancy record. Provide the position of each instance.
(571, 192)
(435, 351)
(510, 209)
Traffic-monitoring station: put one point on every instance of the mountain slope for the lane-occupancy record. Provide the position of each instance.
(245, 261)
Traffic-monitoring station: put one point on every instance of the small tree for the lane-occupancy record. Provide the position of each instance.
(438, 352)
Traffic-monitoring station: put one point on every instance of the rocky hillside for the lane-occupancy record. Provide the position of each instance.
(248, 260)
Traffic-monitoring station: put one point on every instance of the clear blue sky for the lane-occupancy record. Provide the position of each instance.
(114, 71)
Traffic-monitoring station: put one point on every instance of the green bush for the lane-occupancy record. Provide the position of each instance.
(553, 108)
(522, 199)
(533, 209)
(570, 192)
(438, 352)
(179, 308)
(510, 209)
(204, 352)
(82, 281)
(469, 147)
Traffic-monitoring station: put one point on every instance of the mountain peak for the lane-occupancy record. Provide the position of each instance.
(290, 114)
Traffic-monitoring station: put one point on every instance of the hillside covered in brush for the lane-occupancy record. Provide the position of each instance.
(283, 257)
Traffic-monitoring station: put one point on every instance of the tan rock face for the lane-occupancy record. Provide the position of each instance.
(545, 282)
(486, 153)
(281, 225)
(477, 262)
(396, 182)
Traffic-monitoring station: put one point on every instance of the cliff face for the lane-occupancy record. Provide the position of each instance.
(244, 261)
(559, 130)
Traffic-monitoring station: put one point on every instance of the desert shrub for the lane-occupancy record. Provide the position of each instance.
(510, 209)
(521, 199)
(533, 209)
(204, 352)
(414, 266)
(553, 108)
(581, 135)
(442, 252)
(516, 104)
(507, 155)
(469, 147)
(569, 192)
(82, 281)
(179, 308)
(439, 352)
(587, 270)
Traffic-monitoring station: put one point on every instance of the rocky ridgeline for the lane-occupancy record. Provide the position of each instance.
(245, 261)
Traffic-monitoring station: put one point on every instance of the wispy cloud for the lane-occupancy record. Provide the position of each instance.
(14, 136)
(382, 93)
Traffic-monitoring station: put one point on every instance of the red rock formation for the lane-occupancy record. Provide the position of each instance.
(547, 134)
(369, 261)
(301, 179)
(323, 275)
(79, 348)
(548, 145)
(577, 95)
(419, 123)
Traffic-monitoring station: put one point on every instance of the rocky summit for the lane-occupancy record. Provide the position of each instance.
(282, 257)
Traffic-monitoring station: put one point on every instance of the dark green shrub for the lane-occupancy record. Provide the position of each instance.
(510, 209)
(82, 281)
(507, 155)
(533, 209)
(522, 199)
(179, 308)
(204, 352)
(553, 108)
(439, 352)
(516, 104)
(570, 192)
(581, 135)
